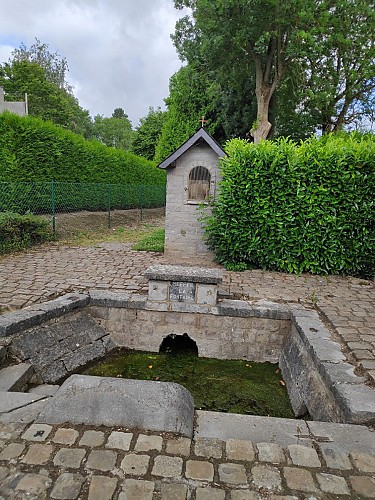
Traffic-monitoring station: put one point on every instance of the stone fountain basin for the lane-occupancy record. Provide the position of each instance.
(62, 336)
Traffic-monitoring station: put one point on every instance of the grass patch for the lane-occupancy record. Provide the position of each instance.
(152, 243)
(103, 234)
(233, 386)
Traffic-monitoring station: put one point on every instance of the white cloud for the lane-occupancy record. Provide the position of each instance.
(119, 51)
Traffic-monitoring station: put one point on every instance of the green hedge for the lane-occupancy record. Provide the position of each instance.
(22, 231)
(297, 208)
(36, 151)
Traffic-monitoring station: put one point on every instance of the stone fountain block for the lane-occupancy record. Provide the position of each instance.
(151, 405)
(190, 285)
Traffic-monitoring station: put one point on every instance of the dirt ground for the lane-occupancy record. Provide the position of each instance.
(68, 224)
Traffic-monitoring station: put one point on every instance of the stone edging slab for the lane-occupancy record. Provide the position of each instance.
(318, 376)
(151, 405)
(14, 322)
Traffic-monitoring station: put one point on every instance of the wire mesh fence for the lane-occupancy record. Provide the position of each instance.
(53, 198)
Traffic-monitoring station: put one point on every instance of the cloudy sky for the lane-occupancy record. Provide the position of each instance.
(119, 52)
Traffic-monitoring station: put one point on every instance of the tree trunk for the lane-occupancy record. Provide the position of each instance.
(340, 121)
(262, 126)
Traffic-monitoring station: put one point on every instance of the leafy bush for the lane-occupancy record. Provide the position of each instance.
(297, 208)
(32, 150)
(22, 231)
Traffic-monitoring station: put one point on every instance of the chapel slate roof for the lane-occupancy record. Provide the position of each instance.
(201, 135)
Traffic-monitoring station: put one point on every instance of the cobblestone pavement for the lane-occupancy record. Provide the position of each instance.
(41, 461)
(44, 273)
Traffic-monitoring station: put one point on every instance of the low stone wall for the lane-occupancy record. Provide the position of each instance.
(318, 377)
(57, 337)
(57, 349)
(229, 331)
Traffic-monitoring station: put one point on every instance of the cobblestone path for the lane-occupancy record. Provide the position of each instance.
(39, 461)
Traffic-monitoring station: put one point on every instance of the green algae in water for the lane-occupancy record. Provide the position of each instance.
(233, 386)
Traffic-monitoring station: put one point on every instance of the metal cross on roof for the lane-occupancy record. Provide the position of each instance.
(202, 121)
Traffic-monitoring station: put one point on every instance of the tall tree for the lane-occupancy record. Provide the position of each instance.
(291, 113)
(340, 63)
(42, 75)
(45, 99)
(148, 132)
(113, 132)
(119, 113)
(268, 37)
(191, 96)
(55, 67)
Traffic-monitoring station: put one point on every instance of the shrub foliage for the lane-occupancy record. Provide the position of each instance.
(35, 151)
(22, 231)
(297, 208)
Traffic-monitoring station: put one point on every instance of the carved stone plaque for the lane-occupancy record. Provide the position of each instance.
(182, 291)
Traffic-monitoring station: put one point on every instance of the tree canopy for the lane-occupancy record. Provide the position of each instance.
(327, 44)
(41, 75)
(55, 67)
(148, 132)
(190, 97)
(119, 113)
(115, 131)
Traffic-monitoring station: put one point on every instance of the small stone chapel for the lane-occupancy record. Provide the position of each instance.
(192, 178)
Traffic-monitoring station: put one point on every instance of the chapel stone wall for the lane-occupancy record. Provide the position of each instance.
(184, 232)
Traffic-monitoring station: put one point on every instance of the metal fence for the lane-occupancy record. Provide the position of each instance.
(53, 198)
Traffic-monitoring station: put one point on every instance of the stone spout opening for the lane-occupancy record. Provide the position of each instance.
(178, 344)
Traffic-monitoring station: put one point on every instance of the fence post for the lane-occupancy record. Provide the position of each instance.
(53, 209)
(109, 204)
(141, 200)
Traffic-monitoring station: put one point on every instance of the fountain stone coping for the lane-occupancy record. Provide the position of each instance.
(161, 272)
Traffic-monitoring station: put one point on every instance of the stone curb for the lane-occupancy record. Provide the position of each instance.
(355, 400)
(263, 309)
(14, 322)
(118, 300)
(226, 307)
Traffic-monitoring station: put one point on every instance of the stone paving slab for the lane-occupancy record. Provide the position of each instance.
(345, 435)
(162, 406)
(10, 401)
(14, 378)
(284, 431)
(36, 464)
